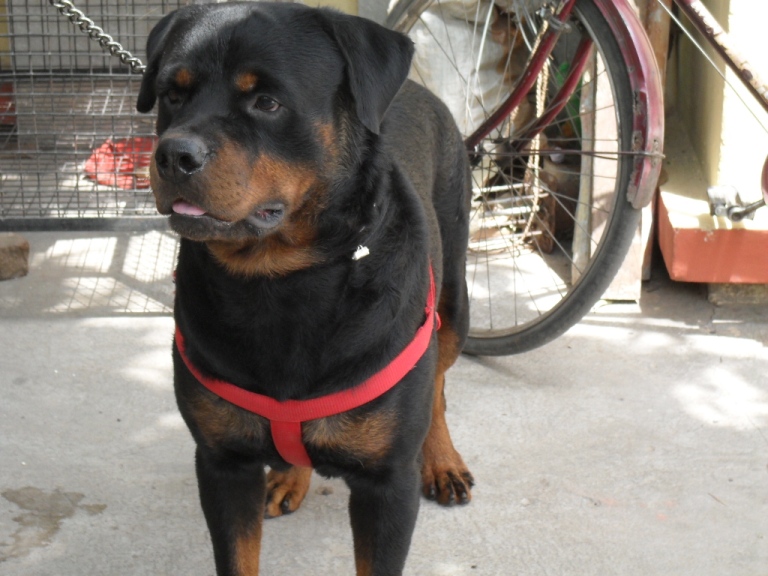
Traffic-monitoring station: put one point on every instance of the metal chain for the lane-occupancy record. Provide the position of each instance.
(77, 18)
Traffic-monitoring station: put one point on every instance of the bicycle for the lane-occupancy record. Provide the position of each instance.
(560, 104)
(565, 146)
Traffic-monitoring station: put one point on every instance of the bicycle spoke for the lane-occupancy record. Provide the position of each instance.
(545, 176)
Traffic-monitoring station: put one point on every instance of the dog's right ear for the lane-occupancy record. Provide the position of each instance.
(377, 59)
(155, 46)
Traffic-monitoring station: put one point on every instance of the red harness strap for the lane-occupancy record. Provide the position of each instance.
(285, 418)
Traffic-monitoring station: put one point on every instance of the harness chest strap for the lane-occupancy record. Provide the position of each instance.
(285, 417)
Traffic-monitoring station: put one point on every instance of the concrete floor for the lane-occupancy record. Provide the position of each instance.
(636, 444)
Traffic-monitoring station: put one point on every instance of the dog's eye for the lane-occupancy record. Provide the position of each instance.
(267, 104)
(173, 96)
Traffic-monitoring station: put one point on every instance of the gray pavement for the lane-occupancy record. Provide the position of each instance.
(636, 444)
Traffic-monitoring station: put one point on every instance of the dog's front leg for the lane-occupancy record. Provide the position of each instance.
(383, 515)
(232, 495)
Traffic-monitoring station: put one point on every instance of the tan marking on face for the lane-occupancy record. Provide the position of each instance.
(326, 133)
(234, 184)
(183, 78)
(367, 438)
(273, 256)
(332, 142)
(246, 81)
(236, 187)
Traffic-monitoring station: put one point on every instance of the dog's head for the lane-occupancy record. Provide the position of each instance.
(253, 99)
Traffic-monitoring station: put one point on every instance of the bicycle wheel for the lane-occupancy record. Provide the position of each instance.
(550, 222)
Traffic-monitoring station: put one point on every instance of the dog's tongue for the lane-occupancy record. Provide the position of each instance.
(181, 207)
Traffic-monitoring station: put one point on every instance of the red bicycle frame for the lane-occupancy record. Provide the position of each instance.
(648, 103)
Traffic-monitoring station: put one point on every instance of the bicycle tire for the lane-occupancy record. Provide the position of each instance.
(575, 298)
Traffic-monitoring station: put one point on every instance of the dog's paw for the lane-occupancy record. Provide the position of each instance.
(447, 480)
(286, 490)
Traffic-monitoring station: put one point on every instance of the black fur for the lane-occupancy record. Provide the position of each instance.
(397, 184)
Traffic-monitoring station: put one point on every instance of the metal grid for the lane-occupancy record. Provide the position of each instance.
(61, 100)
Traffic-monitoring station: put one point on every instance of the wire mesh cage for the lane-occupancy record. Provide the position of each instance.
(74, 153)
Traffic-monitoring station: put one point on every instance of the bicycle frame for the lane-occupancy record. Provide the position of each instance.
(718, 38)
(648, 109)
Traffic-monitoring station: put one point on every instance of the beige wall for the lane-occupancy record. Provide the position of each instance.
(5, 45)
(744, 142)
(700, 96)
(348, 6)
(727, 139)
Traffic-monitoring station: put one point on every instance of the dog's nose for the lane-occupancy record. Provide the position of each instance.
(179, 158)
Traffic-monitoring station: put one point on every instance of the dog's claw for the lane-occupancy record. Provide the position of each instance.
(462, 486)
(447, 486)
(286, 491)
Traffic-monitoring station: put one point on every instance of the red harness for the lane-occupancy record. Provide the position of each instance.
(285, 418)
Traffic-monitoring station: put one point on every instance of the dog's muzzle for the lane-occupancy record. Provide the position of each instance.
(179, 158)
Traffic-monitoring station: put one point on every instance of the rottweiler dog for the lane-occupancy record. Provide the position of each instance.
(317, 192)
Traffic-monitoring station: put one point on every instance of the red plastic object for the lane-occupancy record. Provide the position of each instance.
(7, 104)
(717, 256)
(122, 163)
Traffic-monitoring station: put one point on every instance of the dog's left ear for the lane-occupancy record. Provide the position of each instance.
(378, 61)
(155, 46)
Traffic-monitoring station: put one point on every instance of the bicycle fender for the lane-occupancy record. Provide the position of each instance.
(648, 98)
